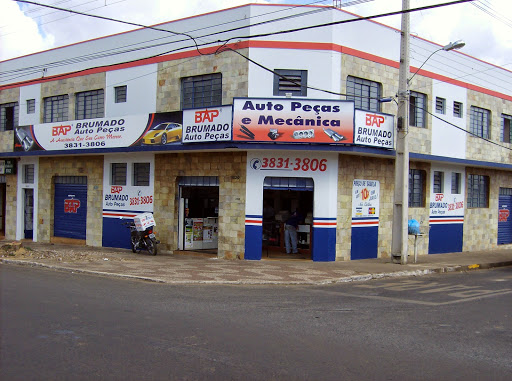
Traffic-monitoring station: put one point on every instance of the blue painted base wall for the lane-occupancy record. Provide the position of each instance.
(324, 244)
(253, 242)
(115, 234)
(445, 238)
(365, 242)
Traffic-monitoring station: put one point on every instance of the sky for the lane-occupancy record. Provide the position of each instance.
(25, 29)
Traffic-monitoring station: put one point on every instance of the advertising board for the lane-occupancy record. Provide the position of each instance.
(374, 129)
(210, 124)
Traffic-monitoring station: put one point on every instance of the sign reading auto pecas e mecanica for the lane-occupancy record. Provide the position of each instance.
(100, 133)
(293, 120)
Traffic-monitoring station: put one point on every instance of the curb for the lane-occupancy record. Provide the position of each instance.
(352, 278)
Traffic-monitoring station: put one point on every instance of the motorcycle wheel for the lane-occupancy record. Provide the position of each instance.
(151, 246)
(133, 242)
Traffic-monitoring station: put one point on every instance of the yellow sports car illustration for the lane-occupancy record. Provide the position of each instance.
(163, 133)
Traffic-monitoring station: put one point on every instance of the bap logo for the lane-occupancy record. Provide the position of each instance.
(209, 115)
(71, 205)
(374, 120)
(116, 189)
(60, 130)
(503, 215)
(439, 196)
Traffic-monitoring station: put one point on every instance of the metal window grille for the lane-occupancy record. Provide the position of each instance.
(201, 91)
(120, 94)
(478, 191)
(364, 93)
(456, 183)
(457, 109)
(28, 173)
(417, 109)
(438, 182)
(294, 82)
(289, 183)
(506, 131)
(90, 104)
(505, 191)
(8, 116)
(31, 106)
(81, 180)
(479, 122)
(119, 171)
(141, 174)
(440, 105)
(55, 109)
(417, 188)
(198, 181)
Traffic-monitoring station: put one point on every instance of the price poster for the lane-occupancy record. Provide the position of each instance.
(365, 198)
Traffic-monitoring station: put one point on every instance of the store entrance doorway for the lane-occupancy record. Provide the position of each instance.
(199, 215)
(281, 197)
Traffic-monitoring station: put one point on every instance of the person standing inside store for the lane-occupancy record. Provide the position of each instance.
(290, 232)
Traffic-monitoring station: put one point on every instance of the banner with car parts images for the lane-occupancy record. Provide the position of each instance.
(126, 131)
(293, 120)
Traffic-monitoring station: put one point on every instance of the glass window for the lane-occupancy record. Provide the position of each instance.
(506, 132)
(141, 174)
(479, 122)
(364, 93)
(90, 104)
(120, 94)
(292, 82)
(417, 109)
(438, 186)
(440, 105)
(456, 183)
(201, 91)
(55, 109)
(417, 188)
(478, 191)
(28, 173)
(457, 109)
(8, 116)
(118, 173)
(31, 106)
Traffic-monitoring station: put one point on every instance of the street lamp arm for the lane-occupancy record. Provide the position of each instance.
(423, 64)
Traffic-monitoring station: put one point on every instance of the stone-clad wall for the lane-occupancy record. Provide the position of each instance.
(478, 149)
(420, 139)
(11, 197)
(7, 137)
(71, 86)
(230, 167)
(233, 67)
(90, 166)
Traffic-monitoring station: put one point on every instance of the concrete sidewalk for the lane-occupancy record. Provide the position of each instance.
(186, 269)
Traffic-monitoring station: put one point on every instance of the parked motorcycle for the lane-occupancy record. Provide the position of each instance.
(142, 239)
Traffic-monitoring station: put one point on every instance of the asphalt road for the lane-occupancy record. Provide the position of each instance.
(63, 326)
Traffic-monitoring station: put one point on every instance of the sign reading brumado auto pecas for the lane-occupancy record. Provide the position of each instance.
(101, 133)
(374, 129)
(210, 124)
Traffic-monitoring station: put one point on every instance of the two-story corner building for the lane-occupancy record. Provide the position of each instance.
(221, 136)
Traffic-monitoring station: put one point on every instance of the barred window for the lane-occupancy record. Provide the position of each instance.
(31, 106)
(118, 173)
(506, 131)
(201, 91)
(90, 104)
(456, 186)
(8, 116)
(478, 191)
(417, 109)
(292, 82)
(141, 174)
(364, 93)
(457, 109)
(479, 122)
(417, 188)
(440, 105)
(55, 109)
(120, 94)
(438, 185)
(28, 173)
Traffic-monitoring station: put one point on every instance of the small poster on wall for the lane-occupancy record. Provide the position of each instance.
(365, 198)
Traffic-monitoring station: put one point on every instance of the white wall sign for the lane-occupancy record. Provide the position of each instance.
(374, 129)
(211, 124)
(365, 198)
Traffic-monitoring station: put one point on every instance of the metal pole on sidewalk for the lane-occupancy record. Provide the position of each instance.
(399, 240)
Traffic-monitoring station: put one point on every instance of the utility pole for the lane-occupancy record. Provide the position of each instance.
(399, 241)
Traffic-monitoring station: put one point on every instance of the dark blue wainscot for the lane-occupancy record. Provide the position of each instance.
(446, 234)
(365, 237)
